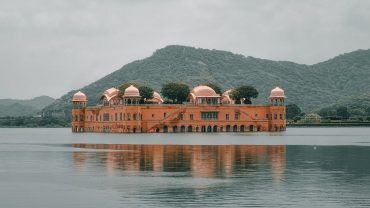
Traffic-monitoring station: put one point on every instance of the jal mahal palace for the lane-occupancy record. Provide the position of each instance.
(206, 111)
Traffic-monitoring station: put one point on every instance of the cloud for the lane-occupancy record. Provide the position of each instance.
(50, 47)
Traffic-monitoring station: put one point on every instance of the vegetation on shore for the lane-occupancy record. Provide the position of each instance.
(33, 122)
(333, 115)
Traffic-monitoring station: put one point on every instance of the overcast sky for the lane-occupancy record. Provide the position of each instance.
(50, 47)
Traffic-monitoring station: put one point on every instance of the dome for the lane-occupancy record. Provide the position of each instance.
(111, 93)
(277, 92)
(204, 91)
(226, 97)
(79, 97)
(227, 92)
(157, 96)
(131, 92)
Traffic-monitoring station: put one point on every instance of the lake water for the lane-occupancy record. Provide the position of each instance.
(302, 167)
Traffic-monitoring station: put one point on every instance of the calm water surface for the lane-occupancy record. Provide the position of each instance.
(303, 167)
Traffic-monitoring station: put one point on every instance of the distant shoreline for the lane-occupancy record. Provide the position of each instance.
(365, 124)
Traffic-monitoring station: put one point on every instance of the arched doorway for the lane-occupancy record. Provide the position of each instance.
(182, 129)
(215, 128)
(174, 129)
(134, 130)
(251, 128)
(165, 129)
(190, 129)
(203, 129)
(235, 128)
(209, 129)
(228, 128)
(157, 130)
(242, 128)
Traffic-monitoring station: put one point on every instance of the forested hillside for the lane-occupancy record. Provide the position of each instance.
(309, 86)
(15, 108)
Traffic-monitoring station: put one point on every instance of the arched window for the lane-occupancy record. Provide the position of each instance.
(190, 129)
(174, 129)
(165, 129)
(182, 129)
(209, 129)
(215, 128)
(228, 128)
(251, 128)
(235, 128)
(203, 129)
(242, 128)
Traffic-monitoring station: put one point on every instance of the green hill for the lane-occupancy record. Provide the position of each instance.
(14, 107)
(309, 86)
(358, 106)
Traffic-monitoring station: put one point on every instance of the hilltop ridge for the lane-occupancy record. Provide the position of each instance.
(309, 86)
(17, 107)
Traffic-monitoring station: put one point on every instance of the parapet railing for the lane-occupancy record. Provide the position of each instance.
(179, 105)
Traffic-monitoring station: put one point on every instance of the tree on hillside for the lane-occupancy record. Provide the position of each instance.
(124, 86)
(328, 112)
(176, 92)
(146, 93)
(343, 112)
(292, 111)
(244, 94)
(214, 86)
(367, 110)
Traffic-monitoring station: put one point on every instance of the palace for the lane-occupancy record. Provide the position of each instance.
(206, 111)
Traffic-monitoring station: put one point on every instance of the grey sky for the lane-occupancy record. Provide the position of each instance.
(49, 47)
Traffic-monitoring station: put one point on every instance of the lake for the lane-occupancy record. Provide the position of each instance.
(302, 167)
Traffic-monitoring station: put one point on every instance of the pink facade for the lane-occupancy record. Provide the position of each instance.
(206, 112)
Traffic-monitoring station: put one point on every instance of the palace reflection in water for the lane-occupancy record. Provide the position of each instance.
(192, 160)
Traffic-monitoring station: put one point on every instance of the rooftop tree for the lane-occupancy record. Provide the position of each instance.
(244, 94)
(176, 92)
(146, 93)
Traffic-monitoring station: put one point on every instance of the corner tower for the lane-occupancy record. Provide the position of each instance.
(277, 117)
(79, 101)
